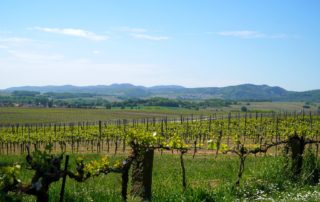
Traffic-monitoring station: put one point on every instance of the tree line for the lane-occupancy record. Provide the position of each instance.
(88, 100)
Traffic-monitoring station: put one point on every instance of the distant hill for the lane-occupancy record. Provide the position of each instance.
(238, 92)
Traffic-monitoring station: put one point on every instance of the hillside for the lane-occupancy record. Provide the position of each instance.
(238, 92)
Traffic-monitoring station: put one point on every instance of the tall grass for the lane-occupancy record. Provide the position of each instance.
(208, 179)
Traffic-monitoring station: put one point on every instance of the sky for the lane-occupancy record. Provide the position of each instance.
(160, 42)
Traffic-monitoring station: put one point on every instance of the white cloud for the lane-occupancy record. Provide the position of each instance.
(278, 36)
(74, 32)
(132, 29)
(15, 40)
(33, 57)
(250, 34)
(149, 37)
(243, 34)
(141, 33)
(96, 52)
(20, 42)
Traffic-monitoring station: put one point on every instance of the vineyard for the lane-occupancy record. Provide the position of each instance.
(62, 152)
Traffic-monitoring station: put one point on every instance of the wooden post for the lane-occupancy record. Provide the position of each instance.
(183, 170)
(64, 178)
(100, 134)
(142, 174)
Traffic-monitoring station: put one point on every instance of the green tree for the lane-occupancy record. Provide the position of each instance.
(244, 109)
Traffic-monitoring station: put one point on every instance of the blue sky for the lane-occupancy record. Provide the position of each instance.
(189, 43)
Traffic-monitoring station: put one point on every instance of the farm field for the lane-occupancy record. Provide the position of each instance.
(241, 157)
(276, 106)
(13, 115)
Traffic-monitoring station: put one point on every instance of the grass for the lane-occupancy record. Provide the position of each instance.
(208, 179)
(12, 115)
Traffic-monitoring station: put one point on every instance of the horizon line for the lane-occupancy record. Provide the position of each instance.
(150, 86)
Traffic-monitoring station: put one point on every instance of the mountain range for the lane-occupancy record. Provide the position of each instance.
(237, 92)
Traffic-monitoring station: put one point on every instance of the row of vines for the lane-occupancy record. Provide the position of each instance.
(46, 146)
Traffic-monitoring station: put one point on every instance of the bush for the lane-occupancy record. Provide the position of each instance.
(244, 109)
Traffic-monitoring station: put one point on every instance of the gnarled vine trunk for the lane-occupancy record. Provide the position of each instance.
(296, 147)
(142, 174)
